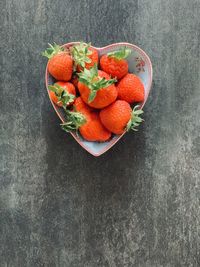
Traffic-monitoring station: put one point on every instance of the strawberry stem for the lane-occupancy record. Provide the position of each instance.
(52, 50)
(63, 96)
(120, 54)
(135, 119)
(74, 121)
(91, 79)
(80, 54)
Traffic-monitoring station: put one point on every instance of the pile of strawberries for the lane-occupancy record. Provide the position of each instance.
(94, 92)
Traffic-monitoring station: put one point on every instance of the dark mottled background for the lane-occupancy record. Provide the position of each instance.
(137, 205)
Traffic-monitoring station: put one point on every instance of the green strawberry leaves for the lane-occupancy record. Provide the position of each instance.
(120, 54)
(63, 96)
(52, 50)
(80, 54)
(135, 119)
(91, 79)
(73, 121)
(92, 96)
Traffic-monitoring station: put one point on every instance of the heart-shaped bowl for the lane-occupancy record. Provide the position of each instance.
(139, 64)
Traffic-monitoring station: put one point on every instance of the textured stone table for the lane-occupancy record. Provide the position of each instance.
(137, 205)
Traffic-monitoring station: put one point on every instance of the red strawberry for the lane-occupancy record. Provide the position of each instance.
(84, 56)
(87, 121)
(60, 64)
(62, 93)
(131, 89)
(119, 117)
(114, 63)
(96, 88)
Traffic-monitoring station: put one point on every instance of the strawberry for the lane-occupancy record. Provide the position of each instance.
(119, 117)
(62, 93)
(87, 121)
(131, 89)
(114, 63)
(60, 64)
(84, 56)
(96, 88)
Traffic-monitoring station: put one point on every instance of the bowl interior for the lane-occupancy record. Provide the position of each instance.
(139, 64)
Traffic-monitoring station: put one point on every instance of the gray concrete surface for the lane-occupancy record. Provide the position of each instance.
(137, 205)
